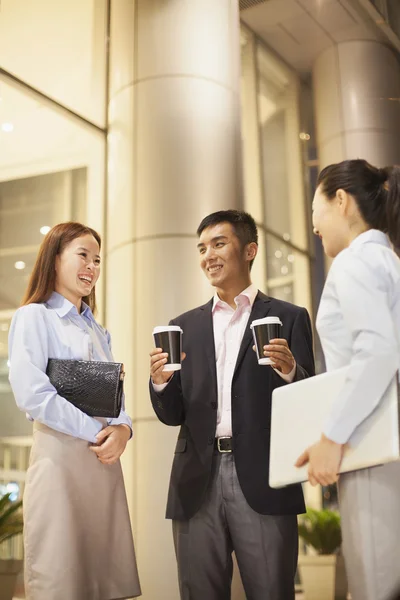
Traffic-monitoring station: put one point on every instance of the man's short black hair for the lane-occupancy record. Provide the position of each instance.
(243, 224)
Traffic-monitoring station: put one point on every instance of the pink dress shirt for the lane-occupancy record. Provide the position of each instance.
(229, 326)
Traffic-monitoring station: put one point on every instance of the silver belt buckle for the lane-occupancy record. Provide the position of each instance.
(225, 437)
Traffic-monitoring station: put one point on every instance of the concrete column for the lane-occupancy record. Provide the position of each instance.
(356, 91)
(174, 156)
(356, 85)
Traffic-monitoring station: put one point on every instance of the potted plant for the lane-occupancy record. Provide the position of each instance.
(319, 572)
(11, 524)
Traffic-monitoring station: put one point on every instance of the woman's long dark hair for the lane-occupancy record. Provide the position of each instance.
(43, 278)
(376, 191)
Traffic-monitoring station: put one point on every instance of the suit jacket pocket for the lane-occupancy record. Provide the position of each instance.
(180, 445)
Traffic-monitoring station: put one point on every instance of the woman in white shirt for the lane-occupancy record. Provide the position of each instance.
(77, 533)
(356, 213)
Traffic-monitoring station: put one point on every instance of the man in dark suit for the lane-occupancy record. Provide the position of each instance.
(219, 497)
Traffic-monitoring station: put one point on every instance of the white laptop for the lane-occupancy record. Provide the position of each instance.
(299, 413)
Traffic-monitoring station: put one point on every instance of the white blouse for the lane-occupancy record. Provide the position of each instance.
(358, 323)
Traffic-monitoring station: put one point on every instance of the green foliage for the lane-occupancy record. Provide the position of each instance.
(321, 530)
(11, 521)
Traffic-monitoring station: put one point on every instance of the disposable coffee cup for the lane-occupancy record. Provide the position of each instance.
(264, 330)
(169, 338)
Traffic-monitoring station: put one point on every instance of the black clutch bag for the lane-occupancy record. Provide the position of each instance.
(94, 387)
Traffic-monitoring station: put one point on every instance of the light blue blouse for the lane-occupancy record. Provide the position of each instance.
(55, 329)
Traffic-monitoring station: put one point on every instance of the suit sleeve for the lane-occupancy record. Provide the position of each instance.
(301, 345)
(168, 404)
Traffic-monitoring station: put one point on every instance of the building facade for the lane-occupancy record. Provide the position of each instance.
(139, 117)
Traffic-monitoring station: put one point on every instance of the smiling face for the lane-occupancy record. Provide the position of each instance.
(223, 259)
(78, 269)
(331, 221)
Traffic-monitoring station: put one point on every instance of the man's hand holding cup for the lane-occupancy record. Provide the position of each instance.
(280, 354)
(269, 345)
(167, 356)
(158, 360)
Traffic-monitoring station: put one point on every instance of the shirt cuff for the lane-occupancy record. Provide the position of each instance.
(159, 387)
(123, 419)
(290, 376)
(339, 437)
(130, 427)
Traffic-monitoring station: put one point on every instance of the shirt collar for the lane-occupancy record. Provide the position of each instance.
(62, 306)
(250, 293)
(371, 235)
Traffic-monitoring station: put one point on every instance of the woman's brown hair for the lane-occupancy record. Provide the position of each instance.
(43, 278)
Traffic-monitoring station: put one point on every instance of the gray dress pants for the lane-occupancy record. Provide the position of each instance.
(266, 546)
(370, 510)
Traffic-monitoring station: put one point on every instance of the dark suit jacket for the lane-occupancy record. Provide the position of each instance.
(190, 400)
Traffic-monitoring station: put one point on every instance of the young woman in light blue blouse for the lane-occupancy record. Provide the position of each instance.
(78, 539)
(356, 212)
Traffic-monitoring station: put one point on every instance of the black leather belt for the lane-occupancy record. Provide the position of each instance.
(223, 444)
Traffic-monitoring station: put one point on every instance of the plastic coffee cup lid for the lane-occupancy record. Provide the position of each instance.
(266, 321)
(165, 328)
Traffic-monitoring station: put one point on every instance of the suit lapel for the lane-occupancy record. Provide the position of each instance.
(260, 309)
(206, 338)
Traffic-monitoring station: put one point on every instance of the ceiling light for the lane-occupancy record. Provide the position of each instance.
(20, 265)
(45, 229)
(278, 254)
(284, 270)
(290, 258)
(304, 136)
(286, 237)
(7, 127)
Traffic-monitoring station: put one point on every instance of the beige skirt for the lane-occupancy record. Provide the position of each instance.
(77, 533)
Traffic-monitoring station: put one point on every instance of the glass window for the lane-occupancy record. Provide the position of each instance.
(59, 49)
(12, 422)
(288, 273)
(51, 170)
(281, 155)
(274, 172)
(40, 201)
